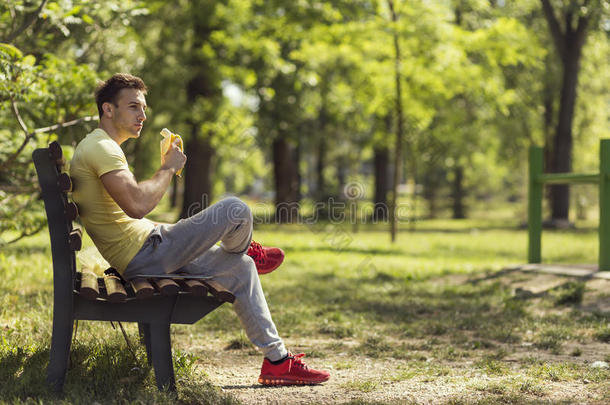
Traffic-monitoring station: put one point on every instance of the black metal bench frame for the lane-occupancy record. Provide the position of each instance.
(153, 314)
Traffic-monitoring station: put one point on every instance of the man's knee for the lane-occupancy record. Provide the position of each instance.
(237, 210)
(246, 269)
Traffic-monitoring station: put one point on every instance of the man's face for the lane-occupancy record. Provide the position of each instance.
(129, 113)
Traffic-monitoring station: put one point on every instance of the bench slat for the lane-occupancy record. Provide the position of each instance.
(143, 288)
(195, 287)
(75, 239)
(219, 291)
(55, 152)
(114, 289)
(71, 211)
(88, 285)
(64, 182)
(166, 286)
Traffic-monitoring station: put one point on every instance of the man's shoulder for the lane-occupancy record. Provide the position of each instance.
(97, 139)
(98, 152)
(96, 145)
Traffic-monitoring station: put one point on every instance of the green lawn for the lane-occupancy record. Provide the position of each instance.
(433, 293)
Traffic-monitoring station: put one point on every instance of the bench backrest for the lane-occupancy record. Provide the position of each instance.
(60, 212)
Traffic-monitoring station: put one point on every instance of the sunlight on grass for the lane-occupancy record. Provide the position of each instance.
(433, 299)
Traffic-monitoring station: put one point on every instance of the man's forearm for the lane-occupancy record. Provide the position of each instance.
(153, 189)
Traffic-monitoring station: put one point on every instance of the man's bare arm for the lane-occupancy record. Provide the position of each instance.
(137, 199)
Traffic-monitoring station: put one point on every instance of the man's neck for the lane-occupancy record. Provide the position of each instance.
(112, 132)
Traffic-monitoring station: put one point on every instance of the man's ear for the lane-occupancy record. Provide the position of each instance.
(107, 108)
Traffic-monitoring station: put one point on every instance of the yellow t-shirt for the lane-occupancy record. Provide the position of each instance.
(117, 236)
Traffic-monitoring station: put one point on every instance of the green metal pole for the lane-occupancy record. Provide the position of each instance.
(604, 205)
(534, 209)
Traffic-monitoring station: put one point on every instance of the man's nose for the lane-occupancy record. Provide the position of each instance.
(142, 116)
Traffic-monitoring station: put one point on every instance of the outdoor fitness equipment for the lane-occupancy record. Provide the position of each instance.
(537, 179)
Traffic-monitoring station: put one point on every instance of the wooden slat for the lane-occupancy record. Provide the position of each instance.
(55, 152)
(64, 182)
(219, 291)
(195, 287)
(88, 285)
(166, 286)
(61, 164)
(71, 211)
(143, 288)
(75, 239)
(114, 288)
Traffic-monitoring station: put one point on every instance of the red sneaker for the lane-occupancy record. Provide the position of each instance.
(266, 259)
(291, 371)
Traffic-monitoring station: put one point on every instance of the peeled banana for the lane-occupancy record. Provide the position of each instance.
(166, 142)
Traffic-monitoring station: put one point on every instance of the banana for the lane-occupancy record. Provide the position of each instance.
(166, 142)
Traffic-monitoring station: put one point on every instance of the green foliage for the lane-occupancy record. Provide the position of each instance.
(60, 91)
(42, 83)
(476, 80)
(570, 293)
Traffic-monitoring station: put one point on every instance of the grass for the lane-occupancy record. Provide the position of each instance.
(434, 302)
(570, 293)
(363, 386)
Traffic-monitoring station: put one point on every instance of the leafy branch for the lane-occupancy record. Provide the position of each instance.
(24, 234)
(29, 135)
(27, 22)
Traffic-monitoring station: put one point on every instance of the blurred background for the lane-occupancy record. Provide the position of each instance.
(319, 110)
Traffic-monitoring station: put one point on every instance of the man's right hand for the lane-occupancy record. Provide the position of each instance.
(174, 158)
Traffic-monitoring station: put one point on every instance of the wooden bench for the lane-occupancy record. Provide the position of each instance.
(154, 302)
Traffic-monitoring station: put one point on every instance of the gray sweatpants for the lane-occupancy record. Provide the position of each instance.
(189, 246)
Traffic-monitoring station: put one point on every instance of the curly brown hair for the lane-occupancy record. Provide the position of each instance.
(107, 91)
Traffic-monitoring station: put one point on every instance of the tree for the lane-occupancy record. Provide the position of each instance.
(569, 24)
(186, 48)
(43, 94)
(275, 34)
(399, 122)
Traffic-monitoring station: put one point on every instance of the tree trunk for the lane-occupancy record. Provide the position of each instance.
(548, 121)
(433, 178)
(549, 95)
(562, 145)
(297, 172)
(320, 165)
(285, 169)
(197, 174)
(382, 186)
(203, 84)
(322, 144)
(399, 126)
(342, 172)
(430, 194)
(569, 41)
(458, 193)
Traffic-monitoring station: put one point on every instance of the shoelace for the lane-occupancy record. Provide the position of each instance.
(297, 360)
(256, 252)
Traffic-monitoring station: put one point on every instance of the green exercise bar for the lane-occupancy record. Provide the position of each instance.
(537, 179)
(567, 178)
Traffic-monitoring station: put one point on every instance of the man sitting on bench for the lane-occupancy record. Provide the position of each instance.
(113, 205)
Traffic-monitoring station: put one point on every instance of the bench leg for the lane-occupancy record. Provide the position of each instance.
(61, 340)
(144, 329)
(161, 350)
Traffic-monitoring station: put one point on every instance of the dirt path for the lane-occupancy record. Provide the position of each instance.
(378, 380)
(389, 380)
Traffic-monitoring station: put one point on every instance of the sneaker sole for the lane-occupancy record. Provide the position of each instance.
(284, 381)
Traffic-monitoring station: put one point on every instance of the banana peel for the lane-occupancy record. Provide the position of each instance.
(166, 142)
